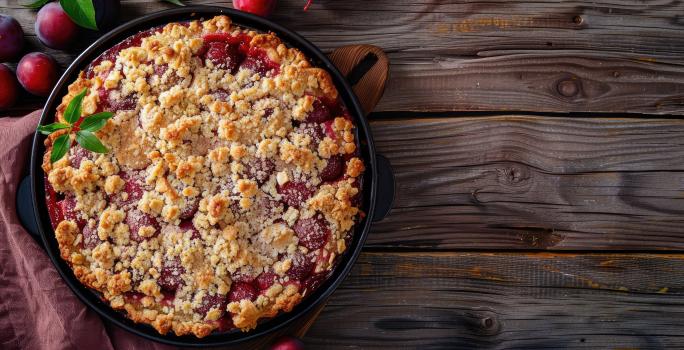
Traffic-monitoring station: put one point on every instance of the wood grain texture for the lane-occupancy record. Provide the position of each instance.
(505, 301)
(366, 68)
(522, 182)
(561, 56)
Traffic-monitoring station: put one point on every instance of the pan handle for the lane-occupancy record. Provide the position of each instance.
(25, 208)
(384, 198)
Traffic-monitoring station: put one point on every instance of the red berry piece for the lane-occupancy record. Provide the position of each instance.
(8, 85)
(319, 114)
(190, 208)
(134, 298)
(294, 193)
(265, 280)
(243, 276)
(169, 297)
(223, 55)
(262, 8)
(260, 169)
(209, 302)
(313, 232)
(68, 207)
(333, 170)
(287, 343)
(187, 225)
(78, 155)
(134, 187)
(11, 38)
(37, 73)
(257, 60)
(240, 291)
(170, 275)
(225, 324)
(127, 103)
(90, 237)
(54, 28)
(312, 282)
(314, 130)
(301, 267)
(328, 129)
(136, 219)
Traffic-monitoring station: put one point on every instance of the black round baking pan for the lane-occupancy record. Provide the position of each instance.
(378, 185)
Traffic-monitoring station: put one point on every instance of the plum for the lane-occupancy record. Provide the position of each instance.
(333, 169)
(287, 343)
(54, 27)
(106, 13)
(262, 8)
(11, 38)
(8, 87)
(37, 73)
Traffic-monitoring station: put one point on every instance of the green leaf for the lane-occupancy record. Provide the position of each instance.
(82, 12)
(60, 147)
(50, 128)
(175, 2)
(95, 122)
(36, 4)
(89, 141)
(73, 109)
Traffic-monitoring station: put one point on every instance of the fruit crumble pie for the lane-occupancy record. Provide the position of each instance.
(231, 186)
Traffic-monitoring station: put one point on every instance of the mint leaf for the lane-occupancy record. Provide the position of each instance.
(95, 122)
(89, 141)
(175, 2)
(60, 147)
(73, 109)
(36, 4)
(82, 12)
(50, 128)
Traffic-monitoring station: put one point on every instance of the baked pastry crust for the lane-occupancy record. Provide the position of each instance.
(231, 186)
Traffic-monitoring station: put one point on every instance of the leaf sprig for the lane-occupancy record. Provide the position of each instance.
(84, 132)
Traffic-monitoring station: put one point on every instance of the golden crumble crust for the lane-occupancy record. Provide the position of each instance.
(231, 186)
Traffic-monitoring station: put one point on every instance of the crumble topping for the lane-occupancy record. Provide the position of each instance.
(231, 186)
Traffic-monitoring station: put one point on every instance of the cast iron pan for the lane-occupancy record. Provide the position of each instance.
(378, 187)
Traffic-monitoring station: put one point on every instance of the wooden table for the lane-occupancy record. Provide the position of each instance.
(539, 155)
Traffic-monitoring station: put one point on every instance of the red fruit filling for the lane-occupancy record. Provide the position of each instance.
(170, 275)
(266, 280)
(294, 193)
(313, 232)
(312, 282)
(243, 276)
(319, 114)
(209, 302)
(90, 238)
(68, 208)
(240, 291)
(136, 219)
(333, 170)
(301, 266)
(327, 128)
(190, 208)
(110, 54)
(223, 55)
(187, 225)
(258, 61)
(78, 155)
(315, 131)
(260, 169)
(134, 187)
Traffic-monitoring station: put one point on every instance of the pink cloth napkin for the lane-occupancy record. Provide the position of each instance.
(37, 309)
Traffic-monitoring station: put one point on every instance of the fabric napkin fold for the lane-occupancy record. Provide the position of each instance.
(37, 309)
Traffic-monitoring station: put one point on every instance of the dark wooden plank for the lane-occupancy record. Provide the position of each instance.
(617, 56)
(505, 301)
(512, 182)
